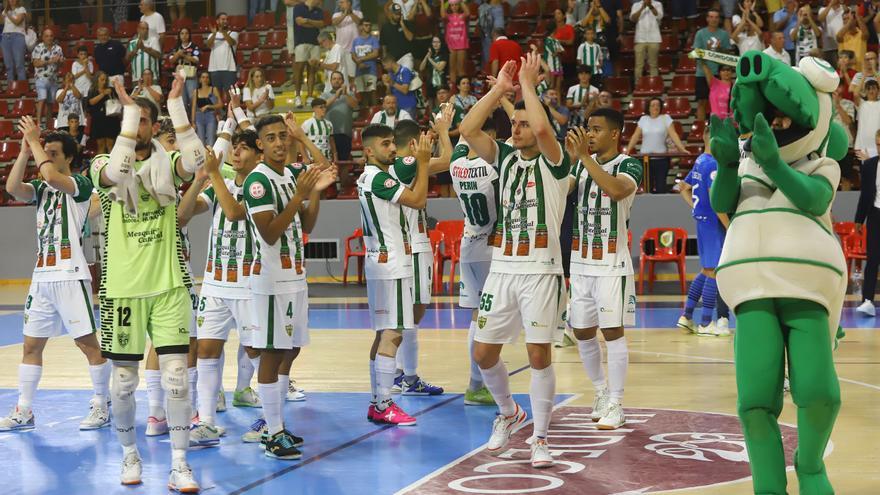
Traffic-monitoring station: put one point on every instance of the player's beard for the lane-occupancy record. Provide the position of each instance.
(143, 145)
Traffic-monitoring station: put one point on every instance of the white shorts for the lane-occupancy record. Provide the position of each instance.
(305, 52)
(53, 307)
(470, 286)
(217, 316)
(423, 276)
(512, 302)
(281, 321)
(604, 302)
(391, 303)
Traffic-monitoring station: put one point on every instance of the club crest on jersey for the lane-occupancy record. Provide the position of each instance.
(389, 183)
(256, 190)
(409, 160)
(289, 330)
(200, 321)
(297, 165)
(712, 175)
(481, 321)
(593, 194)
(122, 338)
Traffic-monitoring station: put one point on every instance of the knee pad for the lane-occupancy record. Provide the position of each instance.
(125, 381)
(175, 376)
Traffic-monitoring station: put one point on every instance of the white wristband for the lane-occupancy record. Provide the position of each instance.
(240, 116)
(177, 112)
(229, 126)
(131, 118)
(192, 150)
(121, 157)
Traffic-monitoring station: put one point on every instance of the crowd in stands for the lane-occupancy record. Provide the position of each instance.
(415, 55)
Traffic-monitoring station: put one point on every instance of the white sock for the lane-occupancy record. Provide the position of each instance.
(155, 394)
(498, 383)
(255, 362)
(123, 407)
(193, 387)
(618, 361)
(408, 353)
(221, 362)
(271, 406)
(476, 382)
(208, 384)
(28, 379)
(591, 356)
(100, 374)
(178, 455)
(178, 406)
(283, 387)
(245, 370)
(373, 386)
(541, 393)
(385, 369)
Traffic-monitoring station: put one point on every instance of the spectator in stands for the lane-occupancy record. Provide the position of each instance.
(464, 100)
(434, 66)
(647, 14)
(332, 59)
(47, 58)
(606, 18)
(443, 96)
(398, 80)
(205, 103)
(719, 91)
(75, 128)
(806, 34)
(844, 114)
(110, 54)
(309, 19)
(490, 16)
(153, 19)
(777, 48)
(653, 130)
(143, 52)
(589, 54)
(104, 128)
(341, 106)
(259, 6)
(714, 38)
(846, 73)
(456, 13)
(258, 96)
(578, 97)
(365, 53)
(550, 60)
(784, 20)
(683, 10)
(728, 7)
(747, 29)
(558, 111)
(853, 37)
(867, 211)
(289, 6)
(605, 100)
(502, 50)
(185, 58)
(148, 88)
(177, 9)
(346, 20)
(868, 73)
(868, 122)
(396, 36)
(69, 101)
(13, 44)
(222, 66)
(390, 114)
(83, 70)
(831, 19)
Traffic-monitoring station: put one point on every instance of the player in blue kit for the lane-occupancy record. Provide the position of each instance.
(711, 229)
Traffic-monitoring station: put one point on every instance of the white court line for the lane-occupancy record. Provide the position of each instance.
(717, 360)
(442, 469)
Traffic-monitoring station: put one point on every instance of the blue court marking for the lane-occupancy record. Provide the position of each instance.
(343, 452)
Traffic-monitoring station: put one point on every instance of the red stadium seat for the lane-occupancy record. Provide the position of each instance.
(628, 129)
(668, 245)
(74, 32)
(525, 9)
(358, 252)
(624, 65)
(855, 248)
(357, 143)
(518, 29)
(550, 6)
(637, 108)
(628, 44)
(243, 76)
(678, 107)
(248, 40)
(205, 23)
(23, 107)
(540, 29)
(669, 43)
(4, 109)
(649, 86)
(18, 89)
(276, 77)
(168, 44)
(9, 150)
(66, 66)
(688, 161)
(284, 58)
(683, 85)
(127, 29)
(6, 129)
(664, 63)
(259, 58)
(696, 133)
(617, 86)
(237, 22)
(686, 65)
(276, 39)
(183, 22)
(263, 22)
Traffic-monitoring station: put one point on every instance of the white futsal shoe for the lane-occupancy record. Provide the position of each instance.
(295, 394)
(685, 324)
(867, 308)
(502, 428)
(221, 401)
(723, 326)
(541, 457)
(181, 478)
(613, 419)
(131, 469)
(98, 417)
(600, 405)
(707, 330)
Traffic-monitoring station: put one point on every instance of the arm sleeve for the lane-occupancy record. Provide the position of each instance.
(208, 196)
(258, 193)
(405, 169)
(632, 169)
(690, 177)
(560, 170)
(387, 187)
(83, 188)
(461, 150)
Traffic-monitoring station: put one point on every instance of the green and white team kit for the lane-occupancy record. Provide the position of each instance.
(385, 225)
(231, 249)
(61, 220)
(319, 132)
(476, 184)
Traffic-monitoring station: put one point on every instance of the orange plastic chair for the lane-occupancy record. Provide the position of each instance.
(843, 229)
(855, 249)
(453, 230)
(456, 257)
(666, 250)
(359, 252)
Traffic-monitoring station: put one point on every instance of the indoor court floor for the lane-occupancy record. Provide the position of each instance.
(682, 434)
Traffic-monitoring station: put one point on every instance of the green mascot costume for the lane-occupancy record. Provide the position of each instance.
(782, 269)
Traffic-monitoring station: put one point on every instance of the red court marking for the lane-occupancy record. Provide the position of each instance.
(657, 450)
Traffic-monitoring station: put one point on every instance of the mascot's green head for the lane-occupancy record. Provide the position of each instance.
(795, 100)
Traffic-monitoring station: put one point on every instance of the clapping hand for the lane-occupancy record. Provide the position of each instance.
(423, 150)
(121, 93)
(212, 161)
(29, 129)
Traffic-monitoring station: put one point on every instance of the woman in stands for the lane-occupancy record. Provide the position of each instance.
(653, 130)
(258, 96)
(205, 103)
(464, 100)
(435, 66)
(105, 127)
(185, 57)
(456, 12)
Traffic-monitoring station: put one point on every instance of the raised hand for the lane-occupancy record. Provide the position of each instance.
(293, 127)
(577, 143)
(423, 150)
(444, 121)
(212, 161)
(724, 143)
(504, 81)
(307, 181)
(327, 177)
(121, 93)
(234, 96)
(29, 129)
(530, 69)
(177, 85)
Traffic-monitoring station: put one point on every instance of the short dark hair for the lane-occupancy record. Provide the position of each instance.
(713, 9)
(376, 131)
(265, 120)
(404, 131)
(221, 13)
(73, 116)
(872, 84)
(584, 69)
(610, 115)
(388, 57)
(498, 32)
(521, 105)
(82, 48)
(317, 102)
(651, 100)
(68, 144)
(248, 137)
(848, 53)
(460, 79)
(149, 105)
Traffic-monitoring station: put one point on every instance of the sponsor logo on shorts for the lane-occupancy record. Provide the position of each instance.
(256, 190)
(289, 330)
(535, 324)
(145, 197)
(481, 321)
(565, 315)
(200, 321)
(381, 312)
(25, 317)
(182, 330)
(632, 303)
(123, 338)
(603, 309)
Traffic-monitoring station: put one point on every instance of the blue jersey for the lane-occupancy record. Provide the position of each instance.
(700, 178)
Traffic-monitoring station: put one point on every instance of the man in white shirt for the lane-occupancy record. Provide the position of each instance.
(346, 21)
(831, 19)
(332, 59)
(222, 43)
(647, 14)
(390, 114)
(777, 48)
(153, 19)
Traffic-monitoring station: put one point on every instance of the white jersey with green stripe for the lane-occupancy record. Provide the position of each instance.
(530, 209)
(599, 241)
(578, 94)
(476, 184)
(230, 249)
(385, 226)
(404, 170)
(143, 253)
(278, 268)
(552, 48)
(61, 219)
(590, 54)
(319, 132)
